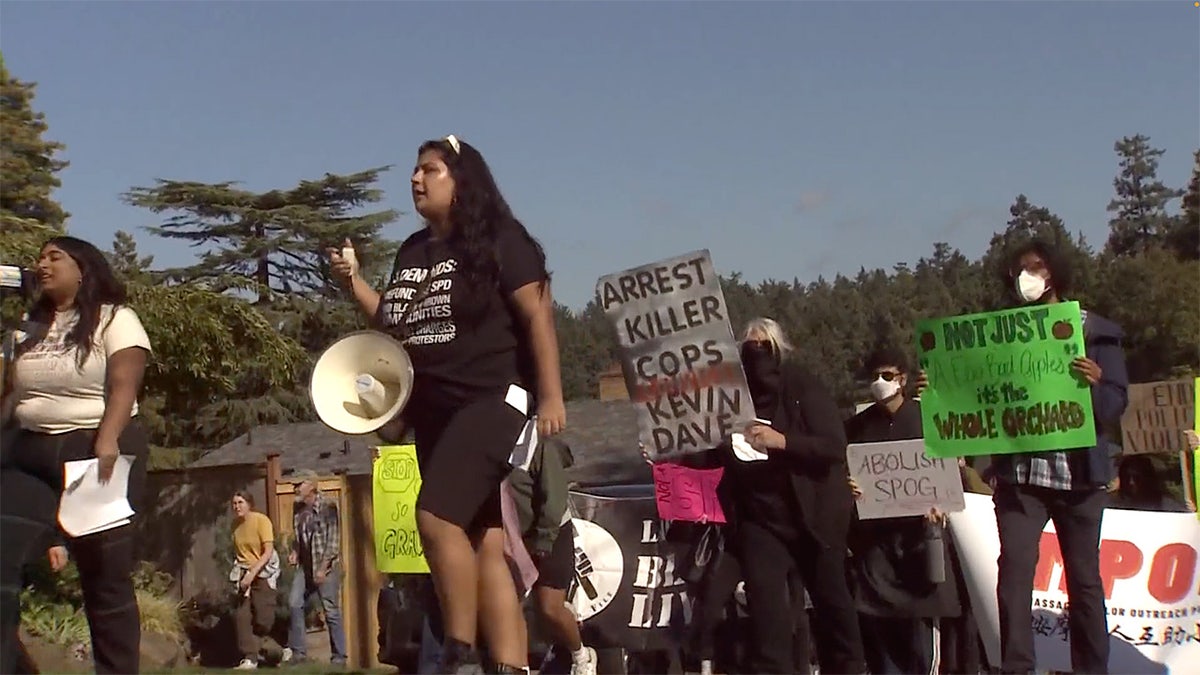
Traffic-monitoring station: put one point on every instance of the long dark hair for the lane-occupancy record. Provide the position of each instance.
(477, 213)
(1151, 486)
(98, 286)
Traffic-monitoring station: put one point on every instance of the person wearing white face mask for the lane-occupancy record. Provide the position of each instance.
(897, 601)
(1067, 487)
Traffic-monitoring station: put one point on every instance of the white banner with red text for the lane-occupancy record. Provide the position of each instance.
(1148, 565)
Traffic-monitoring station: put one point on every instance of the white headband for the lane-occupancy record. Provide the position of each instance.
(453, 141)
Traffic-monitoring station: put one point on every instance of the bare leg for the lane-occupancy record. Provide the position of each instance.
(455, 573)
(556, 618)
(499, 607)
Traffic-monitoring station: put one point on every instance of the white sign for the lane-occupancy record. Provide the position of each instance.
(1147, 563)
(898, 479)
(678, 354)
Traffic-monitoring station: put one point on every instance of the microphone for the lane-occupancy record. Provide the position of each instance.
(935, 553)
(19, 278)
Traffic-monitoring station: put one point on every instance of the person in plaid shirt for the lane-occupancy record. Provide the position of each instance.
(316, 555)
(1067, 487)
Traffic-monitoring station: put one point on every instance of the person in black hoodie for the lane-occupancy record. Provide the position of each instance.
(898, 604)
(794, 509)
(1067, 487)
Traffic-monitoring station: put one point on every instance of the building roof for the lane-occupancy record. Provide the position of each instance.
(602, 435)
(300, 445)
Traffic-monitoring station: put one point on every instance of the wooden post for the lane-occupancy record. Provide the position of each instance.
(272, 480)
(1187, 478)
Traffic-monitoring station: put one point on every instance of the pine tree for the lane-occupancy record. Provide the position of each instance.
(1185, 232)
(1140, 207)
(28, 165)
(273, 241)
(1029, 222)
(126, 261)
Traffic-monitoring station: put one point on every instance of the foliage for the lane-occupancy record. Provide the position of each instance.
(52, 604)
(209, 349)
(28, 162)
(1140, 219)
(274, 239)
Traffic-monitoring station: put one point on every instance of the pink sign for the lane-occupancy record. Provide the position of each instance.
(687, 494)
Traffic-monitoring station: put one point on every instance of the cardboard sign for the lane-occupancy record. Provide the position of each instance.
(1002, 382)
(678, 354)
(1157, 417)
(687, 494)
(898, 479)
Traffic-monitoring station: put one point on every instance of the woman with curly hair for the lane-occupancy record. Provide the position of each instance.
(73, 396)
(469, 297)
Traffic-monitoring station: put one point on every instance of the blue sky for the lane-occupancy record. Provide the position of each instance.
(791, 139)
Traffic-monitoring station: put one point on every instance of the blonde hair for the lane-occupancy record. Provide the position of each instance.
(772, 330)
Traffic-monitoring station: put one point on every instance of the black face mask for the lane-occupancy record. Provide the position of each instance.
(762, 374)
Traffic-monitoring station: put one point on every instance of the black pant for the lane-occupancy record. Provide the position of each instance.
(961, 651)
(1021, 513)
(767, 561)
(31, 474)
(900, 645)
(716, 594)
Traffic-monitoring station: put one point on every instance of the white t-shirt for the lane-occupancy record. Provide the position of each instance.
(54, 394)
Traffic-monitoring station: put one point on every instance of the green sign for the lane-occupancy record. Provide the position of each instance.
(1002, 382)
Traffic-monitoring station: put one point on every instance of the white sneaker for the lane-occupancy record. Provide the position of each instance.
(706, 667)
(286, 656)
(247, 664)
(586, 667)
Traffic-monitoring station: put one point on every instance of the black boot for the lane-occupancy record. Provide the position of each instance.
(459, 658)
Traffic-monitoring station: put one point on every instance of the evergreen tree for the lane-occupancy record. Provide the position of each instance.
(1185, 233)
(28, 163)
(273, 241)
(1029, 222)
(1140, 207)
(125, 260)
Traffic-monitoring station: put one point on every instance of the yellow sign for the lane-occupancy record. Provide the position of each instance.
(396, 483)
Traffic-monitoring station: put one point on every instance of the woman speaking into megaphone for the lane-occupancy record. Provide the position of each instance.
(469, 297)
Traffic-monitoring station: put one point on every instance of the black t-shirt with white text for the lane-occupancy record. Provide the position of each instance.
(461, 337)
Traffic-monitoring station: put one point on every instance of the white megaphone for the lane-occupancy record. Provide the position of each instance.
(361, 382)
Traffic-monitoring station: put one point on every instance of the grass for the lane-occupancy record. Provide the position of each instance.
(160, 615)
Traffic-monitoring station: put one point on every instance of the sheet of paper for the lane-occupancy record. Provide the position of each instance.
(87, 506)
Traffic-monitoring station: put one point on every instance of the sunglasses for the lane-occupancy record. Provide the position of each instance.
(887, 375)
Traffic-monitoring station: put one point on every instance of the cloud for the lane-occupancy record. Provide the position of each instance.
(811, 200)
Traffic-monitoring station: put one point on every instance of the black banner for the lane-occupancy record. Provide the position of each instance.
(627, 591)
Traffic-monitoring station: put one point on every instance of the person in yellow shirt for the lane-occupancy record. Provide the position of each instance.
(256, 572)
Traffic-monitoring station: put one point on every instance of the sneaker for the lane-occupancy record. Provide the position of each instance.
(706, 667)
(247, 664)
(587, 666)
(287, 655)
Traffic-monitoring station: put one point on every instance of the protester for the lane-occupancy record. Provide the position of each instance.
(73, 392)
(899, 605)
(316, 555)
(255, 574)
(540, 495)
(469, 296)
(794, 509)
(1141, 488)
(1067, 487)
(713, 572)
